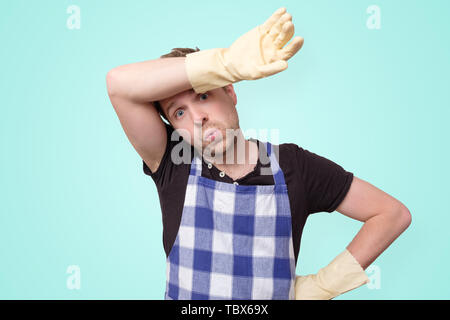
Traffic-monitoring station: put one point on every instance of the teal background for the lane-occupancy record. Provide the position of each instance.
(72, 187)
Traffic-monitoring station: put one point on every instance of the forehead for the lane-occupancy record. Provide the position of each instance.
(165, 103)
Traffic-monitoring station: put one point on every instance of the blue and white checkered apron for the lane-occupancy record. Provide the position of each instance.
(234, 241)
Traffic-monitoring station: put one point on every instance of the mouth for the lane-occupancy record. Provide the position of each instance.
(210, 135)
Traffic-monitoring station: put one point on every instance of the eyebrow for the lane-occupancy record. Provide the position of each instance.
(170, 106)
(173, 102)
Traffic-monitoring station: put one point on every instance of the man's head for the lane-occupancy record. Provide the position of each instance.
(192, 114)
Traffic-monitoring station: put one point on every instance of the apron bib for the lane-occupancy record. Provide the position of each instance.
(234, 241)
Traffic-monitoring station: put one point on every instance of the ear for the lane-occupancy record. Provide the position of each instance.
(229, 89)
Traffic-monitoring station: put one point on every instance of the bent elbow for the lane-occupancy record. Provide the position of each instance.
(405, 217)
(111, 82)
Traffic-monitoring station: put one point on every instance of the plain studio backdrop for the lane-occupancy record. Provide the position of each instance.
(80, 220)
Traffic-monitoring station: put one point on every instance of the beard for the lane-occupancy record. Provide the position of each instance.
(222, 148)
(224, 138)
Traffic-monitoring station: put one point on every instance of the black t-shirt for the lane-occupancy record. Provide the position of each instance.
(314, 183)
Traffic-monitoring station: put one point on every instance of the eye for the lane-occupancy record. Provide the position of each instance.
(204, 94)
(177, 113)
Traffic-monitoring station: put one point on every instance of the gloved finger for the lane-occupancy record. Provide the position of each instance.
(285, 35)
(276, 28)
(265, 27)
(292, 48)
(272, 68)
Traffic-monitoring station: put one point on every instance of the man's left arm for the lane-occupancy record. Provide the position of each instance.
(384, 217)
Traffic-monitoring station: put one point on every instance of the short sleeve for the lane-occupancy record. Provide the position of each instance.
(326, 182)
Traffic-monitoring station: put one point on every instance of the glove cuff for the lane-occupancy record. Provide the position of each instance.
(206, 70)
(343, 274)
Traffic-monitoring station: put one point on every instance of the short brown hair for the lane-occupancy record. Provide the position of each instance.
(176, 52)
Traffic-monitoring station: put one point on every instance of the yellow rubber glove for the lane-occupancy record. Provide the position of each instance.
(256, 54)
(343, 274)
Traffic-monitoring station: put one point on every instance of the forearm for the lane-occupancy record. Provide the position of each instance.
(376, 235)
(149, 80)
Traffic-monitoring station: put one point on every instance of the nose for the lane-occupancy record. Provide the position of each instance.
(199, 116)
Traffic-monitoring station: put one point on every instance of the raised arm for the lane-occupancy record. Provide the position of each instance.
(149, 80)
(132, 88)
(260, 52)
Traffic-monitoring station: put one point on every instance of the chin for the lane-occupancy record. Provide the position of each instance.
(218, 149)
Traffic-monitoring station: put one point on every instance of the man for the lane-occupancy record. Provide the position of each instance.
(234, 209)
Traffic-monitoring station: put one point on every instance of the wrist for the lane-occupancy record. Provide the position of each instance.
(207, 70)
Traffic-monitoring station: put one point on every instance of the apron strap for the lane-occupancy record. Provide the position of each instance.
(278, 175)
